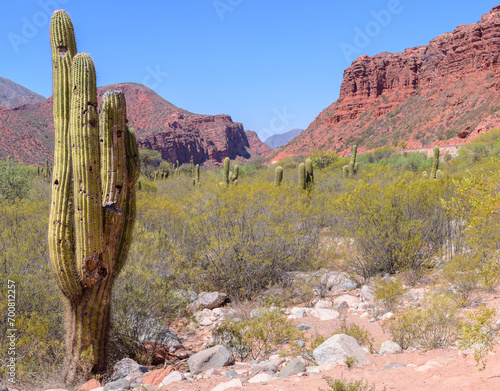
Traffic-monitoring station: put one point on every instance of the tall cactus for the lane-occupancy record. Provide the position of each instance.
(236, 174)
(435, 163)
(196, 179)
(351, 168)
(309, 173)
(278, 176)
(227, 164)
(96, 165)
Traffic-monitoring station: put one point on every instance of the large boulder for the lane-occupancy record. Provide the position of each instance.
(126, 367)
(215, 357)
(390, 347)
(207, 300)
(335, 350)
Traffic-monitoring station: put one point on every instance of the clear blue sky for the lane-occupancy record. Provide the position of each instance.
(271, 64)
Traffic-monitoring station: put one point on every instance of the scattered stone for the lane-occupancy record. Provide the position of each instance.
(367, 293)
(342, 306)
(365, 315)
(349, 299)
(429, 365)
(117, 385)
(297, 313)
(231, 374)
(230, 384)
(364, 306)
(211, 300)
(266, 366)
(394, 365)
(294, 367)
(88, 386)
(125, 367)
(325, 314)
(210, 373)
(172, 377)
(301, 344)
(260, 378)
(313, 369)
(215, 357)
(205, 322)
(304, 327)
(335, 350)
(323, 304)
(154, 378)
(390, 347)
(387, 316)
(155, 333)
(181, 354)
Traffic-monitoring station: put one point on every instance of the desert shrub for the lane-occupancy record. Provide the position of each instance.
(395, 225)
(433, 326)
(359, 333)
(259, 336)
(244, 238)
(323, 159)
(389, 292)
(478, 331)
(148, 187)
(38, 305)
(15, 179)
(341, 385)
(462, 272)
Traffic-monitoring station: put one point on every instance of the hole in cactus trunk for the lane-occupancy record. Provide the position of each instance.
(63, 51)
(56, 183)
(103, 272)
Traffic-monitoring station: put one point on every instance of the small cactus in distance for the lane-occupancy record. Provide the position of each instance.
(353, 167)
(435, 163)
(309, 173)
(278, 176)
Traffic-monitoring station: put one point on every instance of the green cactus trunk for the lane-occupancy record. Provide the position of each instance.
(309, 173)
(197, 174)
(227, 164)
(435, 163)
(93, 200)
(278, 176)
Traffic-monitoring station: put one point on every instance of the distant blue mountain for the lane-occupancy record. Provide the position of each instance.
(277, 140)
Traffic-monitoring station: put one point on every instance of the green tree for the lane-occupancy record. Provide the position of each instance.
(15, 179)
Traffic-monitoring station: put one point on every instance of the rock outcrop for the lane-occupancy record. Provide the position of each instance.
(27, 132)
(444, 93)
(256, 145)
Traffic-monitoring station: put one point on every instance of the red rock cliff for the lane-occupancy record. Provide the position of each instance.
(444, 93)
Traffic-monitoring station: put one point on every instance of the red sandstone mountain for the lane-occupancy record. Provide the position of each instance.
(444, 93)
(27, 132)
(256, 144)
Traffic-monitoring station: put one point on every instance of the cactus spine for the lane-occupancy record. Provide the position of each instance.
(93, 199)
(352, 168)
(278, 176)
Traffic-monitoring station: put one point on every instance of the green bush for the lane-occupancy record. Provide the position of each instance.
(15, 179)
(433, 326)
(341, 385)
(389, 292)
(259, 336)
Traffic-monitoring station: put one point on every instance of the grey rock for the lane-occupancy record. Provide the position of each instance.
(231, 374)
(230, 384)
(304, 327)
(155, 331)
(325, 314)
(367, 293)
(3, 388)
(348, 284)
(210, 373)
(211, 300)
(394, 365)
(335, 350)
(266, 366)
(117, 385)
(215, 357)
(298, 313)
(126, 367)
(390, 347)
(172, 377)
(294, 367)
(301, 344)
(342, 306)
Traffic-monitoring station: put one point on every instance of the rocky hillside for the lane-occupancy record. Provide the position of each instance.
(27, 132)
(256, 144)
(12, 94)
(278, 140)
(445, 93)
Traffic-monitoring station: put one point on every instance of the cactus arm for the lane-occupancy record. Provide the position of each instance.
(61, 224)
(84, 133)
(309, 172)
